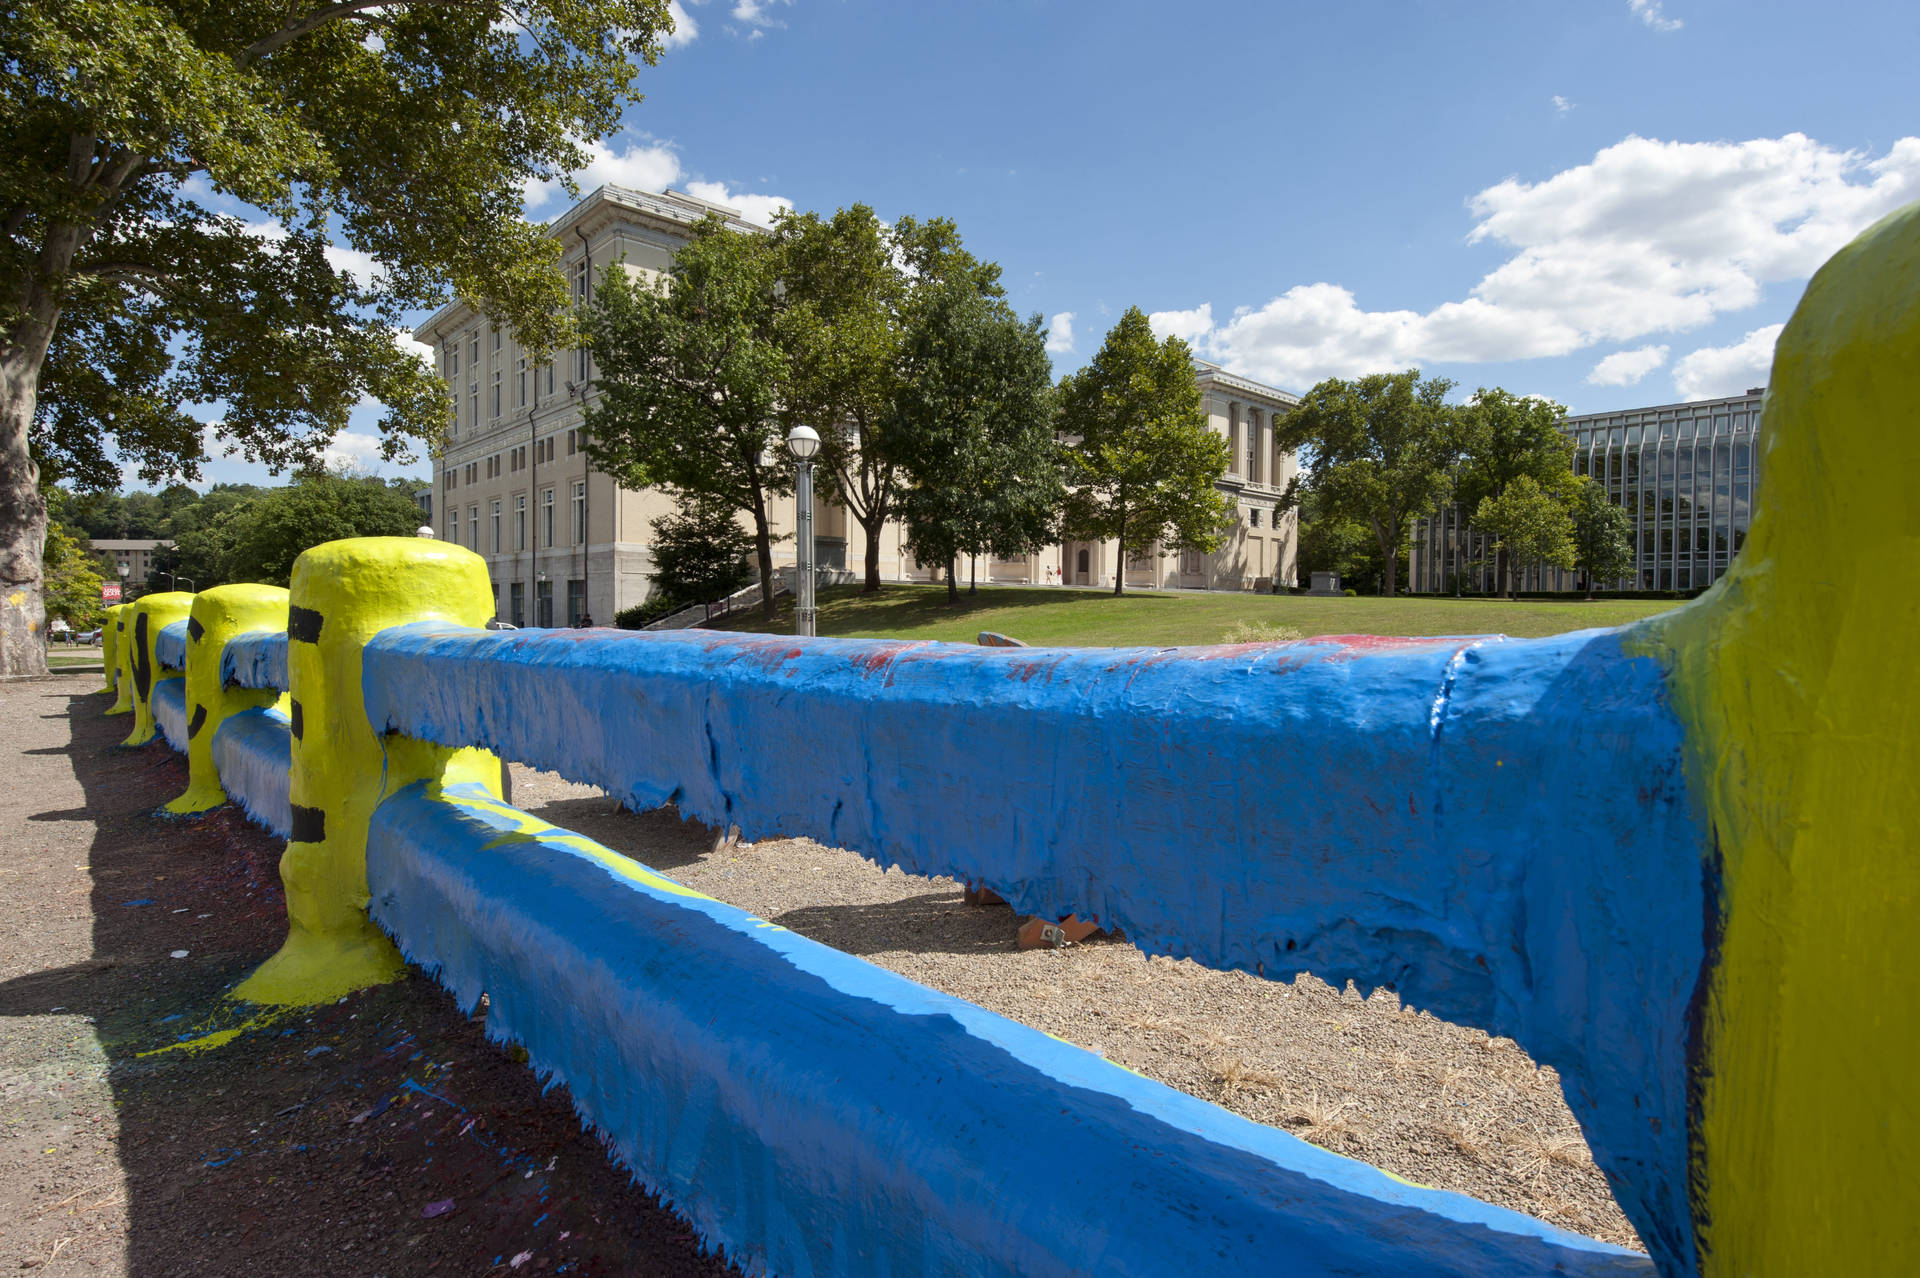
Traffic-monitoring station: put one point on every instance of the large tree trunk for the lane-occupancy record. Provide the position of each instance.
(874, 526)
(1389, 541)
(23, 515)
(953, 580)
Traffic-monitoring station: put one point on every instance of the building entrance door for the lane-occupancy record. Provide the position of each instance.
(1080, 568)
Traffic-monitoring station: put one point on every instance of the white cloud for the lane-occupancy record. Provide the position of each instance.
(353, 451)
(1561, 106)
(364, 267)
(643, 166)
(419, 350)
(758, 209)
(1060, 334)
(758, 13)
(1716, 371)
(1188, 326)
(1648, 11)
(684, 27)
(1648, 237)
(1626, 368)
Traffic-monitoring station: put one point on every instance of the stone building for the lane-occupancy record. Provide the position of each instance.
(512, 482)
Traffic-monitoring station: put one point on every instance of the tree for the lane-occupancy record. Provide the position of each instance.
(1529, 524)
(1329, 542)
(1602, 534)
(840, 324)
(974, 431)
(1141, 462)
(854, 295)
(265, 536)
(700, 551)
(73, 580)
(1383, 448)
(1503, 437)
(399, 129)
(690, 377)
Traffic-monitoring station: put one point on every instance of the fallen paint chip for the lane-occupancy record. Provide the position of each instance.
(440, 1208)
(180, 953)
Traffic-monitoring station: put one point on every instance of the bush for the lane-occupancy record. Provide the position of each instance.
(1258, 632)
(1351, 593)
(642, 615)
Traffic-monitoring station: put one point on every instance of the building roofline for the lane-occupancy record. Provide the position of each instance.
(1747, 398)
(1212, 372)
(673, 210)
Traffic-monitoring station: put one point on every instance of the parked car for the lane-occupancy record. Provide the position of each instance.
(87, 636)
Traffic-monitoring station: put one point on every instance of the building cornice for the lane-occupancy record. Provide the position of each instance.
(1212, 376)
(674, 212)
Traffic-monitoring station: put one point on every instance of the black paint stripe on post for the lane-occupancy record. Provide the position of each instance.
(199, 722)
(142, 659)
(195, 629)
(297, 721)
(303, 625)
(309, 825)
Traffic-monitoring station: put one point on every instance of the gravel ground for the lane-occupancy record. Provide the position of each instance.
(384, 1136)
(1428, 1100)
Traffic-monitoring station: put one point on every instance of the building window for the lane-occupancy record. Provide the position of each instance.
(580, 280)
(473, 529)
(580, 357)
(546, 517)
(453, 359)
(516, 596)
(576, 601)
(493, 511)
(543, 603)
(1190, 563)
(496, 339)
(522, 377)
(1253, 517)
(573, 442)
(520, 521)
(473, 404)
(549, 379)
(496, 392)
(579, 512)
(473, 351)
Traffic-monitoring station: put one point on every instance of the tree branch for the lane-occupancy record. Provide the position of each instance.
(330, 13)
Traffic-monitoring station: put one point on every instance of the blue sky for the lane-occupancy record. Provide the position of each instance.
(1610, 202)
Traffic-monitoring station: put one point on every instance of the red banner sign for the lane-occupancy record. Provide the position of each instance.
(110, 592)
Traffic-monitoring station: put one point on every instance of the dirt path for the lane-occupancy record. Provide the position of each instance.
(384, 1136)
(379, 1136)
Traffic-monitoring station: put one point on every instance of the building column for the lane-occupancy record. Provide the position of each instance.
(1236, 423)
(1265, 450)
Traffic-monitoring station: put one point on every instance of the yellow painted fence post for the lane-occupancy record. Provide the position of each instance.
(110, 649)
(344, 593)
(220, 614)
(149, 614)
(120, 626)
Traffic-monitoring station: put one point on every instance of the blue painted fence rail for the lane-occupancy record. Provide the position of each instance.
(253, 751)
(256, 661)
(1168, 792)
(820, 1115)
(171, 645)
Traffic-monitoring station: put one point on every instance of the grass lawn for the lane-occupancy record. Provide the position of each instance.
(1089, 618)
(76, 657)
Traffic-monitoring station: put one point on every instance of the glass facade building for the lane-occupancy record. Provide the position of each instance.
(1685, 473)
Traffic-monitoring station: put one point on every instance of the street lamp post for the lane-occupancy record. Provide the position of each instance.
(126, 570)
(188, 580)
(803, 442)
(542, 609)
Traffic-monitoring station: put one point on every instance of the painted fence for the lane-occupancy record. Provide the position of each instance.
(1675, 861)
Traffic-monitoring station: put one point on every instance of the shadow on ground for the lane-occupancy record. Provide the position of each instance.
(379, 1135)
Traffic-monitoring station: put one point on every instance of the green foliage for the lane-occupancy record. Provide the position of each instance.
(1142, 464)
(1602, 534)
(1503, 437)
(1332, 542)
(412, 148)
(1529, 523)
(1259, 632)
(1383, 450)
(690, 378)
(973, 429)
(259, 541)
(700, 552)
(72, 580)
